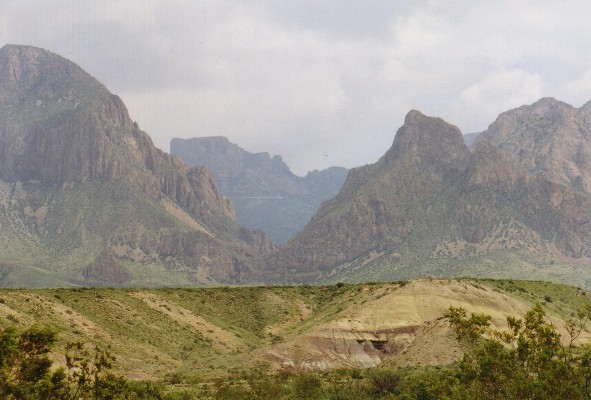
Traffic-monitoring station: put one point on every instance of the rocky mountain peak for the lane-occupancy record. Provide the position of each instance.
(22, 66)
(51, 78)
(550, 102)
(548, 138)
(59, 124)
(69, 140)
(413, 116)
(430, 201)
(426, 139)
(550, 109)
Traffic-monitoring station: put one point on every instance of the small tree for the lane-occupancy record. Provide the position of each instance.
(526, 362)
(26, 373)
(88, 375)
(25, 368)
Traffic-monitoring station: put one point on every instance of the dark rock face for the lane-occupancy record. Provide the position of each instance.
(62, 128)
(430, 197)
(61, 125)
(429, 141)
(52, 114)
(266, 194)
(107, 269)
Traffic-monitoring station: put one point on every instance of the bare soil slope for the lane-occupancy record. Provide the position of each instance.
(399, 324)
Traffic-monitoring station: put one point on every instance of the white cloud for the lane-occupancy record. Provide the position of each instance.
(577, 91)
(501, 90)
(504, 87)
(136, 13)
(318, 81)
(3, 29)
(419, 34)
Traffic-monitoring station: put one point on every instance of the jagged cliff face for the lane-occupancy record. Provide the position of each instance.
(62, 136)
(55, 119)
(430, 198)
(549, 138)
(266, 194)
(59, 124)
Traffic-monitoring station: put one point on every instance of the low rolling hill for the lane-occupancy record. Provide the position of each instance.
(195, 334)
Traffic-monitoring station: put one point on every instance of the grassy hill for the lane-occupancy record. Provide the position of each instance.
(188, 335)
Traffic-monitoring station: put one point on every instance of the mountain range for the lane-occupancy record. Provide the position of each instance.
(431, 206)
(265, 193)
(87, 199)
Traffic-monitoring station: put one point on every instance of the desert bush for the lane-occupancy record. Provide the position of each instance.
(527, 361)
(26, 371)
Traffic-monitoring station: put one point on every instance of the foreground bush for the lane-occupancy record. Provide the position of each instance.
(528, 361)
(26, 370)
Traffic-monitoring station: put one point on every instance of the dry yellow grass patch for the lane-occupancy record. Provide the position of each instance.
(222, 339)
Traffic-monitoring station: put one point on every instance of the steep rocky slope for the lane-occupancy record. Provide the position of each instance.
(266, 194)
(86, 197)
(431, 206)
(549, 138)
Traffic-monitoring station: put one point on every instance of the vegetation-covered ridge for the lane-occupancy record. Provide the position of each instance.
(215, 331)
(223, 343)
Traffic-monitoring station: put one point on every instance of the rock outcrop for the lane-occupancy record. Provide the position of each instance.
(548, 138)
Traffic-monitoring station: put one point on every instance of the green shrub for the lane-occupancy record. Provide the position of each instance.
(26, 371)
(307, 386)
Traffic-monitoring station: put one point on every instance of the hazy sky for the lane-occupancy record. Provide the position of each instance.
(321, 82)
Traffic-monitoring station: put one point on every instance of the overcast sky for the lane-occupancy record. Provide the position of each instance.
(320, 82)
